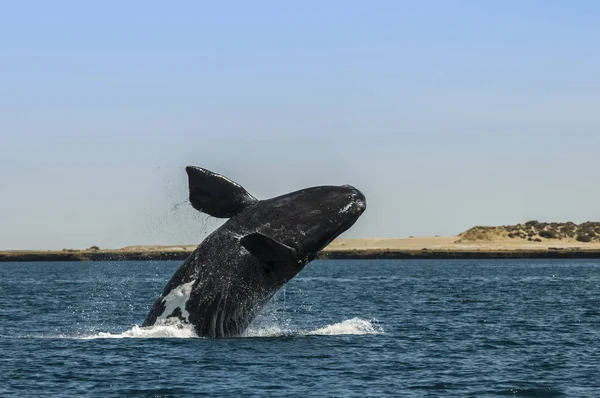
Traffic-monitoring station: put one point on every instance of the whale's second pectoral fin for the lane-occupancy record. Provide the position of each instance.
(215, 194)
(268, 250)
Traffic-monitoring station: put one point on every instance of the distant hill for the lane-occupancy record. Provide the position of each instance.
(535, 231)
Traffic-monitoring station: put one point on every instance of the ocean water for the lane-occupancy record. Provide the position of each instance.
(412, 328)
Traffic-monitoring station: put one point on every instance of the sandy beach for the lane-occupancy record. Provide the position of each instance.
(454, 243)
(414, 247)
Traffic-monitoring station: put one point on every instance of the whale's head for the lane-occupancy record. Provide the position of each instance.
(287, 232)
(309, 219)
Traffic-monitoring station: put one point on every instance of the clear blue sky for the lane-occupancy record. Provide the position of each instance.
(447, 114)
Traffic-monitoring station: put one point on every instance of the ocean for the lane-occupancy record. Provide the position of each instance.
(411, 328)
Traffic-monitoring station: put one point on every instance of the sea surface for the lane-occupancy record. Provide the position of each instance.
(411, 328)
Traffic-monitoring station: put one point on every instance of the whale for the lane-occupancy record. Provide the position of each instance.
(233, 273)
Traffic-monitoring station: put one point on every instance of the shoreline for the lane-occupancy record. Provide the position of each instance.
(400, 248)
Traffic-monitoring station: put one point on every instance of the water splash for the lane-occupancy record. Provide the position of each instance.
(265, 330)
(353, 326)
(177, 329)
(349, 326)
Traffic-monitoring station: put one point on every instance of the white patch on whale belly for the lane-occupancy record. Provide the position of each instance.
(177, 298)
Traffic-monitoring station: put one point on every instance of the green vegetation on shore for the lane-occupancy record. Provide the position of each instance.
(535, 231)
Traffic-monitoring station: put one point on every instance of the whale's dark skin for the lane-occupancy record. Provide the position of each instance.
(234, 272)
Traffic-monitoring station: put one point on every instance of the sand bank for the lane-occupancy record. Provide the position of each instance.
(416, 247)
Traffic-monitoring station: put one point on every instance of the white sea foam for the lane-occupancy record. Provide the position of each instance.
(349, 326)
(174, 328)
(354, 326)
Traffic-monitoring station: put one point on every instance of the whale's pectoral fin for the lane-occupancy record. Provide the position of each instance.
(215, 194)
(268, 250)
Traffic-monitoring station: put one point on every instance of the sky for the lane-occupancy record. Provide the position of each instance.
(446, 114)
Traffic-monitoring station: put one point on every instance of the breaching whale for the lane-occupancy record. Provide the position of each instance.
(234, 272)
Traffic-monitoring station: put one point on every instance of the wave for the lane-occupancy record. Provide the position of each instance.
(176, 329)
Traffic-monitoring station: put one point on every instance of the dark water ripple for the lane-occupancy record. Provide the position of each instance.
(451, 329)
